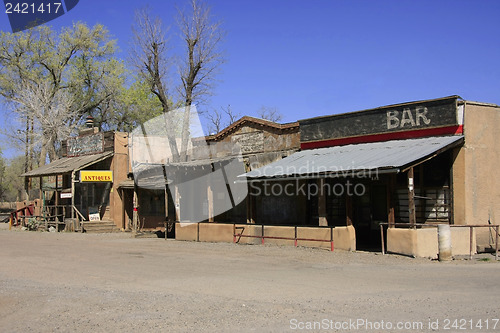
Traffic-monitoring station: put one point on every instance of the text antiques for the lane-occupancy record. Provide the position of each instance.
(96, 176)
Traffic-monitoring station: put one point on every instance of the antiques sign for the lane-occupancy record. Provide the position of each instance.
(93, 176)
(85, 145)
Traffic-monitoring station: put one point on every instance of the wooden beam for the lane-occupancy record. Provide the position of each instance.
(210, 197)
(323, 219)
(411, 198)
(348, 208)
(177, 203)
(391, 219)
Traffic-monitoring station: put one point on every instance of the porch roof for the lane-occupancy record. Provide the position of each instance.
(67, 165)
(388, 156)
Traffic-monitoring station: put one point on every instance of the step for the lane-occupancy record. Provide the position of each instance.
(99, 227)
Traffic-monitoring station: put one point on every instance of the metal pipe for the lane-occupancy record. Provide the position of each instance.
(496, 243)
(382, 238)
(470, 245)
(331, 239)
(262, 234)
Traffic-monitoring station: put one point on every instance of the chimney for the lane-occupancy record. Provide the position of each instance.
(89, 122)
(89, 127)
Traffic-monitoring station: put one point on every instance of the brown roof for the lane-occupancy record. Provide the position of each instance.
(244, 121)
(67, 165)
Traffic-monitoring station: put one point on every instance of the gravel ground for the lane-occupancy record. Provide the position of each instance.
(67, 282)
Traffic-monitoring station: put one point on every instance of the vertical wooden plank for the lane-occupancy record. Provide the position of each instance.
(348, 208)
(253, 209)
(177, 202)
(210, 197)
(391, 219)
(411, 197)
(422, 202)
(323, 220)
(135, 217)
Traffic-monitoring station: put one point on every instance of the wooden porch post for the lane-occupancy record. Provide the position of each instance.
(323, 220)
(348, 208)
(411, 198)
(391, 219)
(210, 197)
(135, 217)
(177, 203)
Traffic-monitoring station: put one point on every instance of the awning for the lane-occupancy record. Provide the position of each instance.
(67, 165)
(388, 156)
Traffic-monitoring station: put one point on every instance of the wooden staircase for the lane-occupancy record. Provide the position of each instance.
(99, 227)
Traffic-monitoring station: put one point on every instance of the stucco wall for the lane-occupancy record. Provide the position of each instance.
(186, 231)
(424, 242)
(482, 158)
(215, 232)
(119, 166)
(458, 174)
(402, 241)
(344, 237)
(314, 233)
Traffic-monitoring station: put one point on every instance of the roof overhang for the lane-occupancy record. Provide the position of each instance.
(67, 165)
(344, 161)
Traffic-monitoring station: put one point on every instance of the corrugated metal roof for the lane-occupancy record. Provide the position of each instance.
(387, 155)
(67, 165)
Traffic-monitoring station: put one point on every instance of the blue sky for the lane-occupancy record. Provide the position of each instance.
(317, 57)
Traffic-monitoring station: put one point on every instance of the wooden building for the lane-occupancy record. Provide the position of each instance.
(203, 188)
(424, 162)
(83, 184)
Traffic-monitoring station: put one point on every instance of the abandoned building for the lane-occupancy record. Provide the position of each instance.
(83, 184)
(338, 177)
(424, 162)
(202, 188)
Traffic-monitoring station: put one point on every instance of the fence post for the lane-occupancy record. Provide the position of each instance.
(331, 239)
(470, 240)
(496, 243)
(444, 242)
(262, 234)
(382, 238)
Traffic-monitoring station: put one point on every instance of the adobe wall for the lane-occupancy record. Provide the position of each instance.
(119, 166)
(481, 159)
(344, 237)
(186, 231)
(424, 242)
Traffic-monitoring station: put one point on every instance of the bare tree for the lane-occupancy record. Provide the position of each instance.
(197, 67)
(215, 122)
(218, 120)
(270, 113)
(53, 109)
(232, 116)
(149, 56)
(202, 37)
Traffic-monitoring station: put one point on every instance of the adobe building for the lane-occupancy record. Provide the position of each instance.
(83, 184)
(202, 188)
(417, 163)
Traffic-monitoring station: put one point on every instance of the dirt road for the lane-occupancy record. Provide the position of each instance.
(63, 282)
